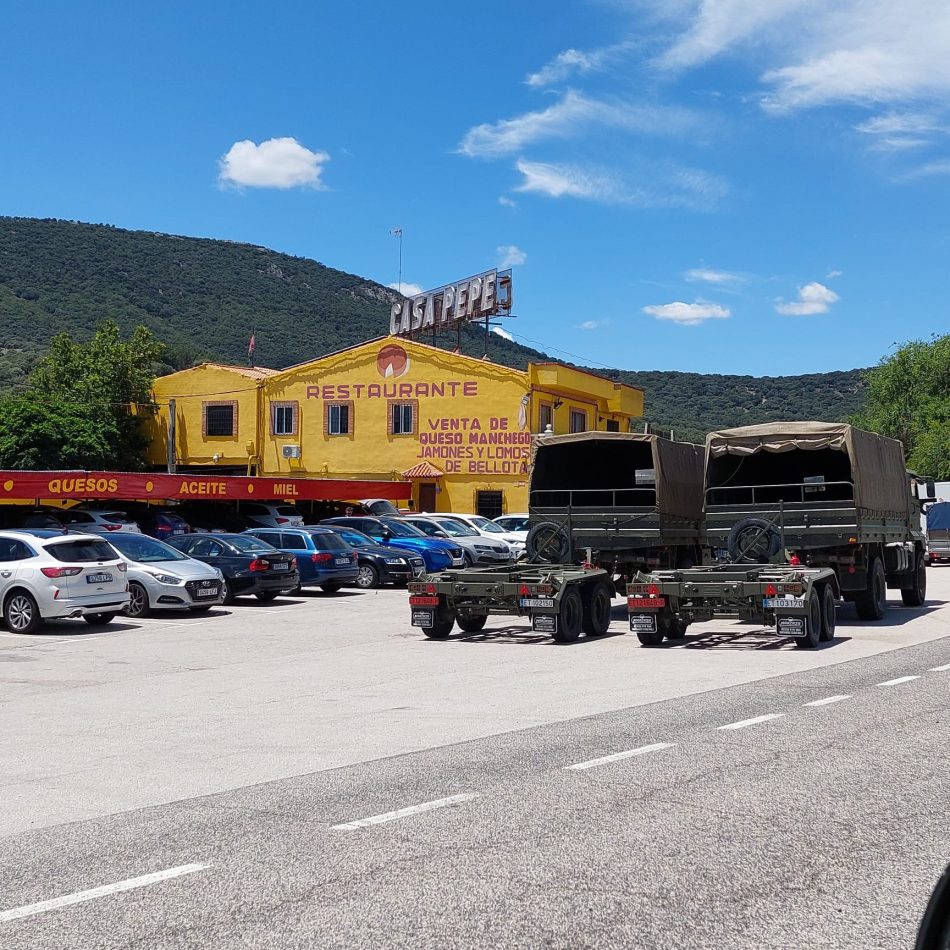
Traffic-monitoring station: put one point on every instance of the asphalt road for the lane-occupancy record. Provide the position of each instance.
(528, 795)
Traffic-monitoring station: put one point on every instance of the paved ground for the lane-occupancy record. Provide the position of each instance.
(242, 753)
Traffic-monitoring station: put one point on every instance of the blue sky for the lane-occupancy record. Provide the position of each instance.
(736, 186)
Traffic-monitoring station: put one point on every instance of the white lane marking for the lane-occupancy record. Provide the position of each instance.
(900, 679)
(405, 812)
(829, 699)
(742, 723)
(43, 906)
(940, 669)
(617, 756)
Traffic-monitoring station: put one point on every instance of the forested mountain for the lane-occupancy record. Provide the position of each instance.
(205, 298)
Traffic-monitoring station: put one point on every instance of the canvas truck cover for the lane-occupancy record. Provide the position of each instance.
(678, 467)
(938, 516)
(877, 463)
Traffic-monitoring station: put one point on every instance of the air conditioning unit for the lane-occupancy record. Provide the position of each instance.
(291, 451)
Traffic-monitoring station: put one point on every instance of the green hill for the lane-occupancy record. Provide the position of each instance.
(204, 298)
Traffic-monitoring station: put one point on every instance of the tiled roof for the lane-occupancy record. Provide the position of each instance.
(423, 470)
(252, 372)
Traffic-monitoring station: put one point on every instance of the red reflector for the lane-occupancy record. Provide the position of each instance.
(421, 600)
(770, 590)
(524, 590)
(641, 603)
(654, 590)
(430, 589)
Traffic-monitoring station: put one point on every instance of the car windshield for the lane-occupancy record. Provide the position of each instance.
(483, 524)
(288, 511)
(399, 529)
(456, 529)
(381, 507)
(249, 545)
(328, 541)
(513, 524)
(356, 538)
(139, 547)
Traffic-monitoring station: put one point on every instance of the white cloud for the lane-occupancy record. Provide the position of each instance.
(507, 202)
(407, 290)
(510, 255)
(812, 298)
(832, 274)
(709, 276)
(504, 334)
(589, 325)
(572, 61)
(276, 163)
(570, 117)
(558, 181)
(688, 314)
(902, 131)
(930, 169)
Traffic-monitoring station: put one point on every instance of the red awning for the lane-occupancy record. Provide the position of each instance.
(160, 486)
(423, 470)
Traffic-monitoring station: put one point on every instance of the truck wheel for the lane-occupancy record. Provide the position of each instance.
(472, 623)
(812, 622)
(916, 595)
(871, 603)
(570, 616)
(444, 621)
(597, 611)
(828, 614)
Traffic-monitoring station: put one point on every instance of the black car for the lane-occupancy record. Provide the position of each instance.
(249, 565)
(158, 522)
(379, 564)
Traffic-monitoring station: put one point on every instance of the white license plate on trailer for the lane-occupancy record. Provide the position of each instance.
(544, 602)
(782, 602)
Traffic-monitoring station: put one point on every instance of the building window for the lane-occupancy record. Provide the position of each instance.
(489, 504)
(402, 417)
(339, 418)
(578, 420)
(283, 418)
(613, 425)
(219, 418)
(545, 416)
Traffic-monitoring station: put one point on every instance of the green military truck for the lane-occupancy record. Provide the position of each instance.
(603, 507)
(800, 515)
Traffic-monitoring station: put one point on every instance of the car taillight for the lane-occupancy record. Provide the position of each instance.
(321, 558)
(282, 520)
(61, 571)
(293, 564)
(112, 527)
(259, 564)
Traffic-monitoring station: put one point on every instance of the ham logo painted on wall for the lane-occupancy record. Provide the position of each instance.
(392, 361)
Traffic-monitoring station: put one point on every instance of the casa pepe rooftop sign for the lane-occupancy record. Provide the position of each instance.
(476, 298)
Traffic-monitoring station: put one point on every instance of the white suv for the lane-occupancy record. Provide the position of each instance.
(48, 575)
(97, 520)
(266, 515)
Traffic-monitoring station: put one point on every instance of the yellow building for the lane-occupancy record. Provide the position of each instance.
(458, 428)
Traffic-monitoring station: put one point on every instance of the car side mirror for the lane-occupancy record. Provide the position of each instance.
(440, 534)
(386, 537)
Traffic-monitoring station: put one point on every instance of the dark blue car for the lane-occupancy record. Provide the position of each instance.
(324, 559)
(438, 553)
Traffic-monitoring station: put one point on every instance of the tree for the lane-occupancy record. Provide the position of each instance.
(909, 399)
(84, 405)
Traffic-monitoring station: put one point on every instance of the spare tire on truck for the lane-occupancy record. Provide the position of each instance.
(549, 543)
(753, 541)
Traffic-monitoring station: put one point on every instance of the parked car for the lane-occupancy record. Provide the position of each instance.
(212, 517)
(15, 518)
(489, 529)
(248, 565)
(324, 559)
(379, 507)
(378, 563)
(162, 576)
(97, 521)
(271, 515)
(438, 553)
(514, 524)
(476, 548)
(48, 575)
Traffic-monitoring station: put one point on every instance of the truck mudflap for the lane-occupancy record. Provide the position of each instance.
(423, 609)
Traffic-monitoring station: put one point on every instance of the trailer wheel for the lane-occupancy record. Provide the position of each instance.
(916, 595)
(444, 621)
(871, 603)
(570, 616)
(676, 629)
(828, 614)
(597, 611)
(472, 623)
(812, 622)
(651, 638)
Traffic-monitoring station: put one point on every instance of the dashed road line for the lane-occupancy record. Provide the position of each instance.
(617, 756)
(742, 723)
(405, 812)
(898, 681)
(940, 669)
(828, 700)
(29, 910)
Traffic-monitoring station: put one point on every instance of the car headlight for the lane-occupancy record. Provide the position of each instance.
(484, 547)
(166, 578)
(394, 560)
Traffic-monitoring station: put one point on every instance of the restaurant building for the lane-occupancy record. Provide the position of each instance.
(455, 428)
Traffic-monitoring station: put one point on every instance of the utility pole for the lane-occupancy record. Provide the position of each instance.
(170, 442)
(397, 232)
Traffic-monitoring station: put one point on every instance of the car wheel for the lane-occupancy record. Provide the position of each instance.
(367, 577)
(468, 559)
(267, 595)
(138, 601)
(20, 613)
(98, 620)
(227, 595)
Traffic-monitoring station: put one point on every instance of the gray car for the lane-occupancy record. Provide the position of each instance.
(476, 547)
(160, 576)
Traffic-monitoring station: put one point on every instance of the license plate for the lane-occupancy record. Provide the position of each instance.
(342, 560)
(422, 600)
(537, 602)
(645, 602)
(544, 623)
(280, 566)
(423, 618)
(179, 531)
(98, 578)
(207, 591)
(643, 623)
(774, 602)
(791, 626)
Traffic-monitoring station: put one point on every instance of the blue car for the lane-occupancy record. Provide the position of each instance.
(324, 559)
(438, 553)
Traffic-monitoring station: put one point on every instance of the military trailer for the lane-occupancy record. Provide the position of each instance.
(603, 506)
(801, 514)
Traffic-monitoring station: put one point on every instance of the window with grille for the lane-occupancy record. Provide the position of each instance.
(402, 418)
(489, 504)
(220, 418)
(545, 416)
(578, 420)
(284, 418)
(338, 419)
(613, 425)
